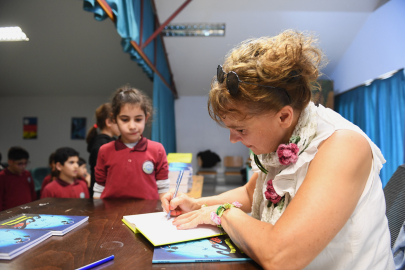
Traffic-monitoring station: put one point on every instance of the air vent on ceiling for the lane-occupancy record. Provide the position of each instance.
(194, 30)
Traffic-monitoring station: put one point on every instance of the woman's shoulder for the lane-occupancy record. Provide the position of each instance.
(346, 144)
(330, 122)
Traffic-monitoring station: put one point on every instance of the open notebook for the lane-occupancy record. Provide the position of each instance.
(160, 231)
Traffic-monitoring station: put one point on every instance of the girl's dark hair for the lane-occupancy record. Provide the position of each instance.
(51, 159)
(127, 94)
(81, 161)
(103, 112)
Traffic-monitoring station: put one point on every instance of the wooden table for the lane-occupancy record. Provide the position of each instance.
(196, 189)
(103, 235)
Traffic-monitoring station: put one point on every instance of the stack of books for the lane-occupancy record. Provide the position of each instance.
(205, 243)
(15, 242)
(22, 232)
(187, 180)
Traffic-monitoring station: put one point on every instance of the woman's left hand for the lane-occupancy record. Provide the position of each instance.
(194, 218)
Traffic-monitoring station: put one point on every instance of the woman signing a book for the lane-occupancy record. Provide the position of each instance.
(316, 199)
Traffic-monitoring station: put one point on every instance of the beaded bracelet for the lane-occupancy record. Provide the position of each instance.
(216, 216)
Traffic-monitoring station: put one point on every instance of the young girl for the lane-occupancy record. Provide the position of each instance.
(316, 198)
(108, 129)
(132, 166)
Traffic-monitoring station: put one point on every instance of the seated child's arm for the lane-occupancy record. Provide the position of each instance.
(100, 173)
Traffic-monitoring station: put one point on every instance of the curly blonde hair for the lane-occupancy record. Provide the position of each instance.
(290, 60)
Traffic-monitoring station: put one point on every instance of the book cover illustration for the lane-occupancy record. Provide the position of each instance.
(14, 242)
(214, 249)
(58, 223)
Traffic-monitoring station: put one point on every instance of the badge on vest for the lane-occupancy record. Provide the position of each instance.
(82, 195)
(29, 179)
(148, 167)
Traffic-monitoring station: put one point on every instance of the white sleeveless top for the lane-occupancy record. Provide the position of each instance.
(364, 242)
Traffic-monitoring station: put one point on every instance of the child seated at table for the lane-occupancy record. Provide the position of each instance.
(66, 185)
(82, 173)
(16, 184)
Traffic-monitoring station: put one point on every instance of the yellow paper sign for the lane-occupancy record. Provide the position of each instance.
(179, 157)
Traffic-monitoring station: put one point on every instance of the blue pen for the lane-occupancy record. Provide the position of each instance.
(177, 188)
(89, 266)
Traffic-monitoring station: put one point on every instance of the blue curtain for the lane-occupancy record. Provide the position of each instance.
(163, 125)
(127, 13)
(379, 110)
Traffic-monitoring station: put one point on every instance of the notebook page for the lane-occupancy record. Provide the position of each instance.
(160, 231)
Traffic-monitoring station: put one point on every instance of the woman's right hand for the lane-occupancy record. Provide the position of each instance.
(179, 205)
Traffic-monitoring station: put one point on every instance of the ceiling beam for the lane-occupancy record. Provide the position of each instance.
(157, 31)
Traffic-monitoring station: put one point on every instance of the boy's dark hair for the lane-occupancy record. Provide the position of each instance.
(17, 153)
(51, 158)
(64, 153)
(81, 161)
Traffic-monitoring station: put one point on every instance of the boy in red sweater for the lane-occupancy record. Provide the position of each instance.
(16, 183)
(66, 185)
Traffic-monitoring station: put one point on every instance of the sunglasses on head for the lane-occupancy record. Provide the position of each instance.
(232, 82)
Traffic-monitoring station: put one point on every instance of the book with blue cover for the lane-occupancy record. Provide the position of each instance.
(57, 224)
(13, 242)
(213, 249)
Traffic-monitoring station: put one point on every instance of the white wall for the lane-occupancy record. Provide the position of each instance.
(377, 49)
(196, 131)
(54, 122)
(71, 64)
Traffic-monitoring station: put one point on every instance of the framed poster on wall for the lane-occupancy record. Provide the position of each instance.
(78, 128)
(30, 128)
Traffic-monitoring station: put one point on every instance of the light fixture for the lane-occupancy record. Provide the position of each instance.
(194, 29)
(12, 34)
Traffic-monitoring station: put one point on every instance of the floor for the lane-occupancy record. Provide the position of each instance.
(214, 185)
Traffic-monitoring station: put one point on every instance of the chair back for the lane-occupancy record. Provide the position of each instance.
(233, 161)
(394, 193)
(39, 174)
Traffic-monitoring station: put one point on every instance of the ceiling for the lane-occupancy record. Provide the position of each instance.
(194, 59)
(70, 53)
